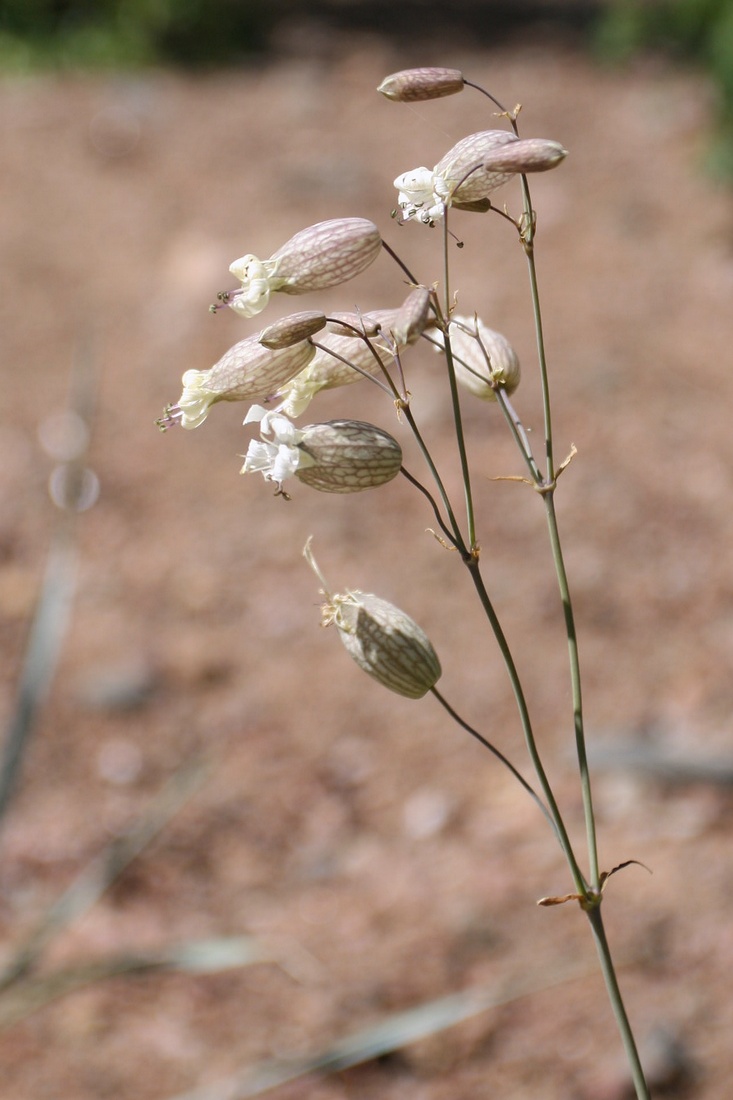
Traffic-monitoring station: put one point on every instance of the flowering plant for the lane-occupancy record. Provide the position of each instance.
(285, 366)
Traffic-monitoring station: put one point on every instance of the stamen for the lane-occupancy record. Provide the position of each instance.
(172, 415)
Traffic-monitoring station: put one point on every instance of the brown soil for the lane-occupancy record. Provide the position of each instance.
(377, 852)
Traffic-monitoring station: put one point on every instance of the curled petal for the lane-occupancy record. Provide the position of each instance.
(277, 454)
(256, 277)
(417, 198)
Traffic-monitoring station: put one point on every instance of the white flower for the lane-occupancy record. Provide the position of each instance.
(458, 179)
(417, 197)
(339, 456)
(323, 255)
(277, 458)
(248, 371)
(256, 277)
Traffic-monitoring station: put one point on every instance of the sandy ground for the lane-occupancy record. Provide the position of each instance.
(378, 855)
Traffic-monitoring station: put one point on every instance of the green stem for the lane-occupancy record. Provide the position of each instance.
(520, 435)
(457, 536)
(451, 539)
(617, 1003)
(528, 244)
(574, 660)
(496, 752)
(455, 400)
(546, 486)
(548, 493)
(580, 884)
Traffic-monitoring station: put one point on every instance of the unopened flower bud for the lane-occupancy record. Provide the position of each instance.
(526, 155)
(323, 255)
(246, 372)
(383, 640)
(339, 456)
(483, 359)
(412, 317)
(413, 85)
(341, 361)
(292, 329)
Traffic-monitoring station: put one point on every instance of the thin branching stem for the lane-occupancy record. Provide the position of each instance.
(497, 753)
(527, 237)
(524, 716)
(457, 536)
(520, 434)
(390, 389)
(527, 234)
(455, 400)
(593, 910)
(400, 263)
(433, 504)
(574, 661)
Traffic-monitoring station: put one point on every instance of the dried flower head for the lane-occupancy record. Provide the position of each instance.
(339, 456)
(246, 372)
(321, 256)
(483, 359)
(415, 85)
(383, 640)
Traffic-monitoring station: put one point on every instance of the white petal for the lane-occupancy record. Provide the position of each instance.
(285, 464)
(259, 458)
(255, 413)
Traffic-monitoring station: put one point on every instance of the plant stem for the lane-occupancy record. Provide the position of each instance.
(527, 237)
(617, 1003)
(496, 752)
(458, 537)
(455, 400)
(546, 486)
(548, 493)
(580, 884)
(574, 660)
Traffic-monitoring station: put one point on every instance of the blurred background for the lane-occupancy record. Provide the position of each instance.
(223, 850)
